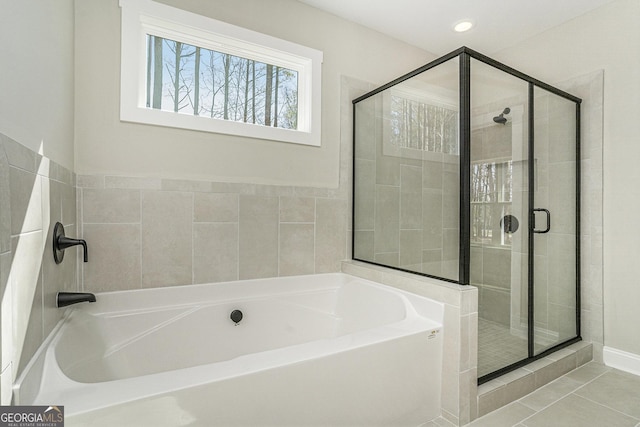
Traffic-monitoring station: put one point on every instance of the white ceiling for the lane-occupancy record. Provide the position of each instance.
(428, 24)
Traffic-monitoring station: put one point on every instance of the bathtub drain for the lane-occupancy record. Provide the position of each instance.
(236, 316)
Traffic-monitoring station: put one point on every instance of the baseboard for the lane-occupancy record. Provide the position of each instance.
(625, 361)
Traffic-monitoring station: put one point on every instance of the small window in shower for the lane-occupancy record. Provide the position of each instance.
(422, 126)
(491, 198)
(419, 118)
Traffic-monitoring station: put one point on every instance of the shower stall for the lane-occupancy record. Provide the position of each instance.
(467, 170)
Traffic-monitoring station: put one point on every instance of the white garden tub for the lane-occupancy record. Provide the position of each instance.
(326, 349)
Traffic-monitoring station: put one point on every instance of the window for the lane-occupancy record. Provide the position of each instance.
(421, 122)
(491, 199)
(185, 70)
(423, 126)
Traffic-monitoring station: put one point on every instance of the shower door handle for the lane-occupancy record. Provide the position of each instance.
(533, 222)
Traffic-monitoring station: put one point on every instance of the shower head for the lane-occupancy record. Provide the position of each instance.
(501, 119)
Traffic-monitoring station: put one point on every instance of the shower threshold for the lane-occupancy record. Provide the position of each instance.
(513, 385)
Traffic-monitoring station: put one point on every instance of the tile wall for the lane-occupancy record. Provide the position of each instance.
(491, 262)
(590, 88)
(407, 200)
(35, 193)
(145, 233)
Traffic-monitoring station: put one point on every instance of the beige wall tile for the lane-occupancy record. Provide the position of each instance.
(90, 181)
(432, 175)
(387, 169)
(51, 204)
(391, 259)
(297, 209)
(495, 305)
(296, 249)
(68, 196)
(167, 219)
(185, 185)
(215, 207)
(5, 201)
(410, 197)
(114, 257)
(365, 195)
(19, 155)
(215, 252)
(331, 231)
(364, 245)
(139, 183)
(410, 247)
(432, 215)
(26, 201)
(496, 267)
(387, 219)
(258, 256)
(366, 129)
(110, 206)
(26, 288)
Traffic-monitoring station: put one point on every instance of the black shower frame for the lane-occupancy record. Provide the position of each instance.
(465, 54)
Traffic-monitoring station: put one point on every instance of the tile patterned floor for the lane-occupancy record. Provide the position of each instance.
(498, 348)
(591, 396)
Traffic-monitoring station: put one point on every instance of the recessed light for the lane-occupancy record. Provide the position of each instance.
(462, 26)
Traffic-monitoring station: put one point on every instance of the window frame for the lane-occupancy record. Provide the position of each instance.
(142, 17)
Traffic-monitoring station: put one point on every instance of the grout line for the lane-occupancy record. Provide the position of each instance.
(606, 406)
(561, 397)
(193, 239)
(315, 232)
(140, 236)
(238, 239)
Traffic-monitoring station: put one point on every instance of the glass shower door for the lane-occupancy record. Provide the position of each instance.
(555, 210)
(498, 212)
(467, 170)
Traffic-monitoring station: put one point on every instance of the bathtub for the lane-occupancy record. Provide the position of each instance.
(325, 349)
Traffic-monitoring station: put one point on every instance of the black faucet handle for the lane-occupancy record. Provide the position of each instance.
(62, 242)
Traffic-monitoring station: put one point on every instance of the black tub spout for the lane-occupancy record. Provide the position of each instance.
(64, 299)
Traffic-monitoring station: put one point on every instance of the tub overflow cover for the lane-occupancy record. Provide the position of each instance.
(236, 316)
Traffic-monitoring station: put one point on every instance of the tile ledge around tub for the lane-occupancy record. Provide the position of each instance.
(453, 294)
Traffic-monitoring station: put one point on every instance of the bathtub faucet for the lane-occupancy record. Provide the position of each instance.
(62, 242)
(64, 299)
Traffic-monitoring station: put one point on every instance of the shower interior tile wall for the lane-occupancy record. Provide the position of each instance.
(35, 193)
(408, 204)
(157, 232)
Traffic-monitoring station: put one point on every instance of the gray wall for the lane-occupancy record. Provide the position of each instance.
(36, 179)
(35, 193)
(587, 44)
(106, 146)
